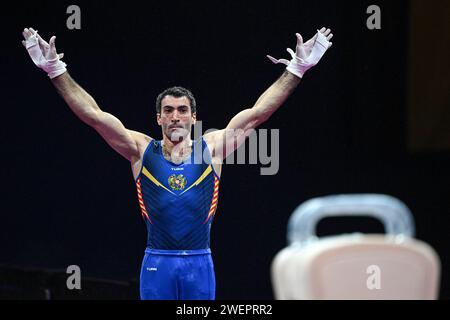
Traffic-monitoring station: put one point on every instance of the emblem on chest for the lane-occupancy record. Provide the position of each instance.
(177, 182)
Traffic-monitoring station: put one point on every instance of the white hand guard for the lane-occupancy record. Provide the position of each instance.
(43, 54)
(306, 55)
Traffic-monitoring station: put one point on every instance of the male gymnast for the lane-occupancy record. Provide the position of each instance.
(177, 189)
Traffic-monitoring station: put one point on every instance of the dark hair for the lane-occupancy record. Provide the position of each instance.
(176, 92)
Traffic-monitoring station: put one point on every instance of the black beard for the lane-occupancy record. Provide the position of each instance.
(178, 136)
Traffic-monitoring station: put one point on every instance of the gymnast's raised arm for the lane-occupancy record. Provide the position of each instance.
(224, 142)
(126, 142)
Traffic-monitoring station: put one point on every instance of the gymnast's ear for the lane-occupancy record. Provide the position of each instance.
(158, 118)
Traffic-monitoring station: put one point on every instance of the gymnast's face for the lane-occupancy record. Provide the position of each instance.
(176, 118)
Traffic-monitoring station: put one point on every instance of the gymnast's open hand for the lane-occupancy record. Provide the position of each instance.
(43, 53)
(306, 54)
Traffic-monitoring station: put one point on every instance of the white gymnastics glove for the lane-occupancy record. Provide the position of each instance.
(306, 54)
(43, 54)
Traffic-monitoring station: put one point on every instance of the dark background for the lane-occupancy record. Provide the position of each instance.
(67, 198)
